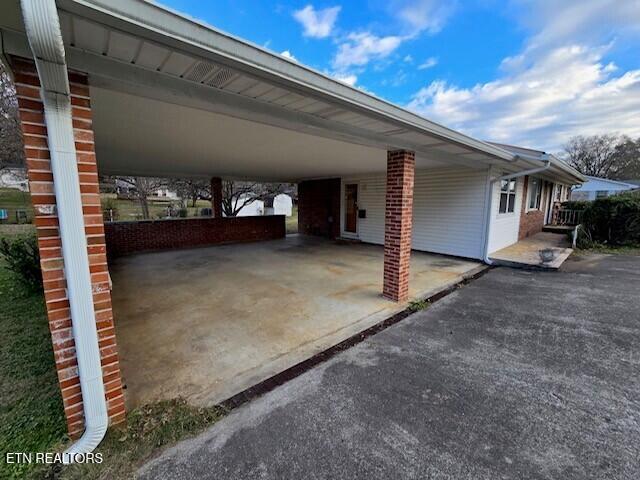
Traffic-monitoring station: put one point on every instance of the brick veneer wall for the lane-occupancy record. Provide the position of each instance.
(125, 238)
(398, 224)
(216, 197)
(531, 222)
(41, 183)
(319, 207)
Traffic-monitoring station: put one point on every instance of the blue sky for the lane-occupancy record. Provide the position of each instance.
(529, 72)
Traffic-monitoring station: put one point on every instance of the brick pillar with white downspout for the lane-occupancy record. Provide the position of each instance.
(41, 186)
(397, 224)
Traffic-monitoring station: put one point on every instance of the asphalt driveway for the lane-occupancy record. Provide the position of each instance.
(517, 375)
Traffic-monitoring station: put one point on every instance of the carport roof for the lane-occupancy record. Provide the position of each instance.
(174, 65)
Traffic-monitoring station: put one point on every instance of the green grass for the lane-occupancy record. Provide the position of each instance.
(130, 209)
(147, 430)
(13, 200)
(31, 415)
(292, 221)
(417, 305)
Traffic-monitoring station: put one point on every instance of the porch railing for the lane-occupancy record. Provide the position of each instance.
(567, 217)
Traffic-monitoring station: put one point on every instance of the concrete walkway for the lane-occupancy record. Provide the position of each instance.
(526, 252)
(518, 375)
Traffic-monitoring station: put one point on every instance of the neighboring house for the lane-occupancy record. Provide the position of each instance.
(174, 97)
(281, 204)
(166, 193)
(14, 178)
(596, 187)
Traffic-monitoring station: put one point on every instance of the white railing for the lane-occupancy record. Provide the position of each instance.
(568, 217)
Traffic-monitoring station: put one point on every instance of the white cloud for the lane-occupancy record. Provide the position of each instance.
(348, 78)
(568, 91)
(422, 15)
(559, 85)
(360, 48)
(428, 63)
(289, 55)
(317, 23)
(408, 58)
(577, 21)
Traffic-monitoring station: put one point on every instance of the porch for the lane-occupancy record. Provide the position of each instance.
(208, 323)
(526, 252)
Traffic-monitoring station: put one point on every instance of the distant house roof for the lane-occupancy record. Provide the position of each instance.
(599, 184)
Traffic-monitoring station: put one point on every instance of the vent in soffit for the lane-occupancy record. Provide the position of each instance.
(200, 71)
(220, 78)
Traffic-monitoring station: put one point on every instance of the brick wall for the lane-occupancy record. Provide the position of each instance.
(216, 197)
(125, 238)
(398, 224)
(531, 222)
(44, 202)
(319, 207)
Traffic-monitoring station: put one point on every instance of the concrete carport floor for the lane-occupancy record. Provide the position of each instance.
(208, 323)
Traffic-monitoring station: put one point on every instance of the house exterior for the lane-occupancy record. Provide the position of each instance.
(596, 187)
(130, 88)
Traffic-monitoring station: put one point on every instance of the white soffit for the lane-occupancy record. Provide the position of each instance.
(98, 39)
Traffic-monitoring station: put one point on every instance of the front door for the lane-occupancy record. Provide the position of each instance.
(351, 207)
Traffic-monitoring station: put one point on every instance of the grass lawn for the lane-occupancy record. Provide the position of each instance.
(31, 416)
(12, 200)
(292, 221)
(130, 209)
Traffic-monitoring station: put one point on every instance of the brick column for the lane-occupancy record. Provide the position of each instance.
(41, 184)
(216, 197)
(397, 224)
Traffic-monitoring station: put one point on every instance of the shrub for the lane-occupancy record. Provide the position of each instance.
(183, 212)
(612, 220)
(23, 258)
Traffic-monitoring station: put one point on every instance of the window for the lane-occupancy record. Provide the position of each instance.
(507, 196)
(601, 193)
(535, 193)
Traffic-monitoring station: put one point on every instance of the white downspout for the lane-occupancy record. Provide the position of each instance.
(489, 198)
(45, 38)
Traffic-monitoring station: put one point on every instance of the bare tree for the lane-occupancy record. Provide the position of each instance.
(627, 153)
(191, 189)
(142, 189)
(11, 146)
(594, 155)
(237, 195)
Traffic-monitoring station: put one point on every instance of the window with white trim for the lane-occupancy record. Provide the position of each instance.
(507, 196)
(535, 193)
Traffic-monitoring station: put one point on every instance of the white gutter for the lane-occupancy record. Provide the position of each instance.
(45, 38)
(489, 197)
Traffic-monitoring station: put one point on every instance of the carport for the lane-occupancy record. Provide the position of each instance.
(209, 323)
(152, 93)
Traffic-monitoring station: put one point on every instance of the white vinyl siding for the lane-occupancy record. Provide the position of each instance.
(448, 210)
(505, 226)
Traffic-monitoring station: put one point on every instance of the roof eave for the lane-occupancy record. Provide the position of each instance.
(138, 16)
